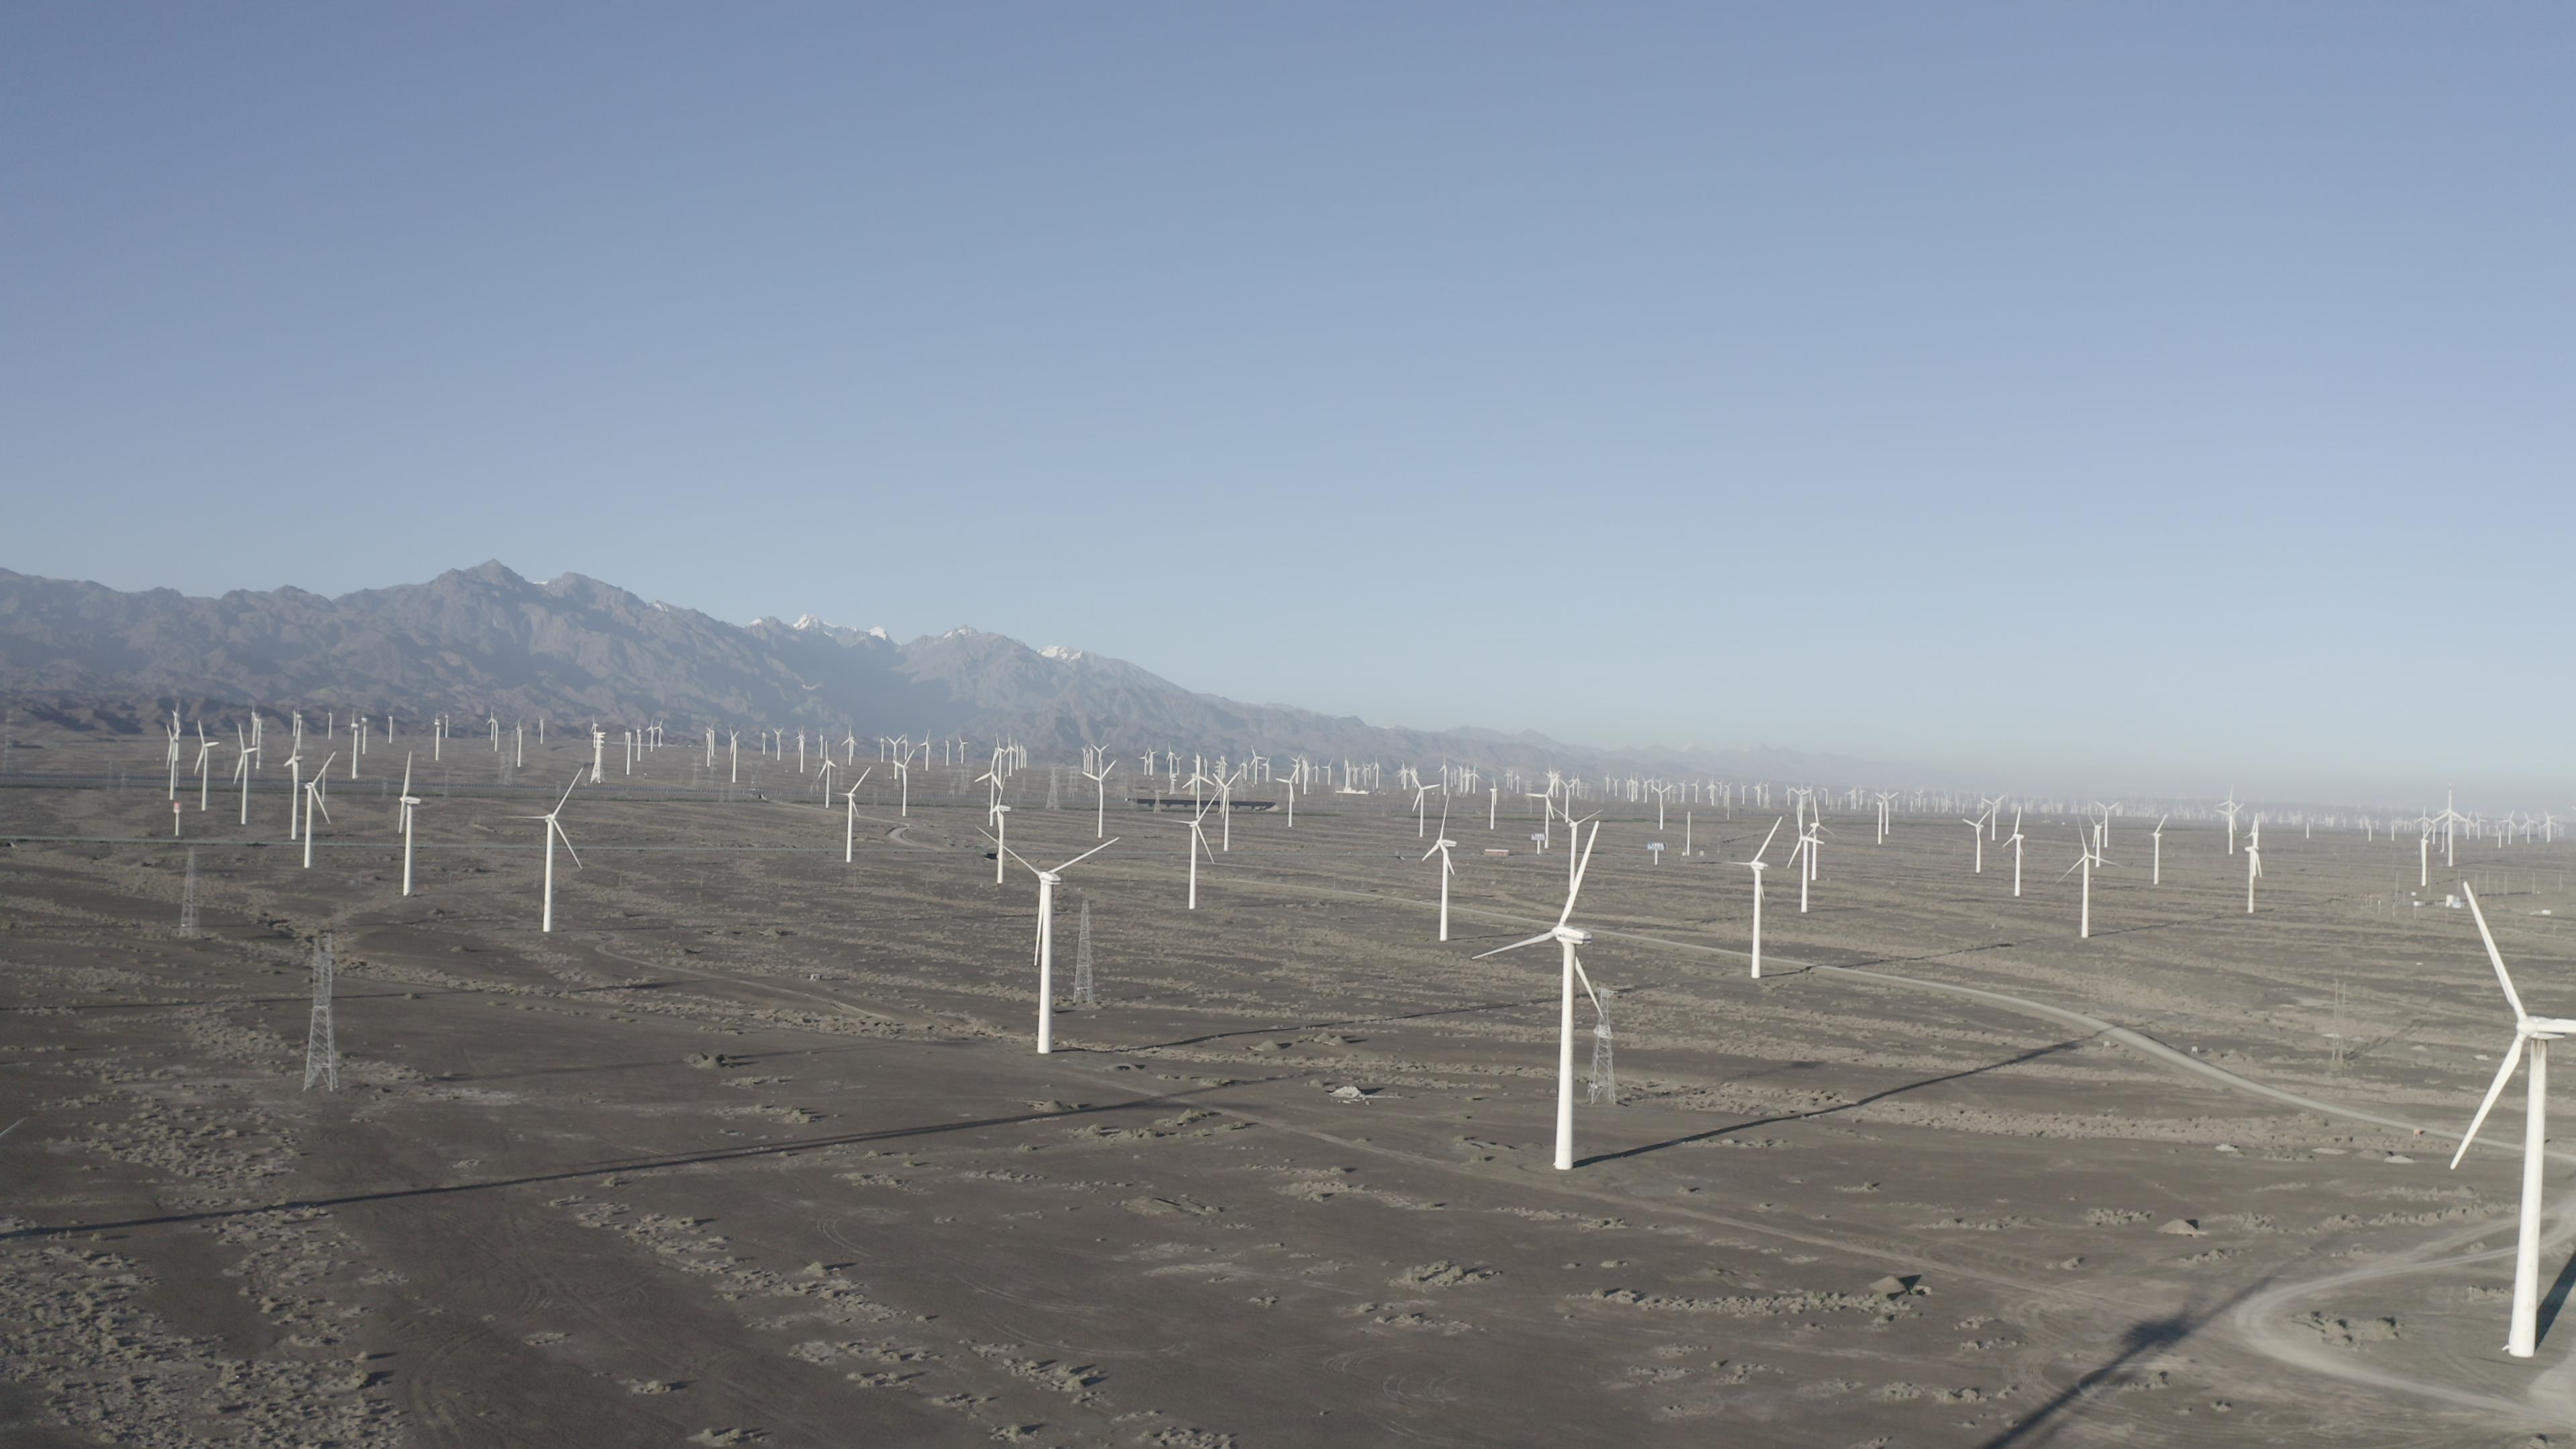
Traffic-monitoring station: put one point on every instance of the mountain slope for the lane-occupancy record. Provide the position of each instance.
(573, 648)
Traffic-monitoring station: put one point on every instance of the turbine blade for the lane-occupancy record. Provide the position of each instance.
(568, 789)
(1088, 854)
(1580, 867)
(2504, 1073)
(1587, 986)
(2492, 953)
(1766, 840)
(1516, 945)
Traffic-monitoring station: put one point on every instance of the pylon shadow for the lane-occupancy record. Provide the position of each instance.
(607, 1166)
(1882, 1095)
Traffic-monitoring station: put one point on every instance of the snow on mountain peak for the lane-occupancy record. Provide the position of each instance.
(1060, 654)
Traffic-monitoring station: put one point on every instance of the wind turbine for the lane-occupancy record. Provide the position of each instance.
(2228, 807)
(1198, 843)
(554, 829)
(1802, 857)
(2086, 857)
(850, 831)
(205, 751)
(2015, 841)
(1048, 880)
(997, 811)
(241, 771)
(2158, 835)
(2536, 1033)
(1441, 848)
(1567, 937)
(409, 803)
(2253, 863)
(1757, 867)
(1225, 807)
(1977, 834)
(313, 801)
(1100, 792)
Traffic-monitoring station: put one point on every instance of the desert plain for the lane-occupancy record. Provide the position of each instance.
(755, 1147)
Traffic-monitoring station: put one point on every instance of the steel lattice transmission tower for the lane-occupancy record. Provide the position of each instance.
(1082, 992)
(1604, 1087)
(188, 902)
(321, 1042)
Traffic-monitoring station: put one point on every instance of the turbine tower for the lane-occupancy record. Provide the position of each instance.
(2534, 1033)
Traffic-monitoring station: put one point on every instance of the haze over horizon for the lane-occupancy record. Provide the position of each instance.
(2164, 399)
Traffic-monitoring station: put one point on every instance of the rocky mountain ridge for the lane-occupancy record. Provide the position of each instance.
(487, 639)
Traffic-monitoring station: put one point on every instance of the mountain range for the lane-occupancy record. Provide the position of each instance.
(486, 639)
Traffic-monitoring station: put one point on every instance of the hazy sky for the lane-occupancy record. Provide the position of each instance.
(2165, 395)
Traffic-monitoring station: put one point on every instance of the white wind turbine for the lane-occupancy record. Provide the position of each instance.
(1441, 848)
(1802, 856)
(997, 812)
(1567, 937)
(313, 801)
(1100, 796)
(2157, 877)
(2086, 857)
(850, 829)
(241, 771)
(1048, 880)
(555, 830)
(1198, 845)
(205, 752)
(410, 802)
(1225, 808)
(2535, 1033)
(1757, 867)
(2253, 863)
(2228, 807)
(2015, 841)
(294, 788)
(1977, 835)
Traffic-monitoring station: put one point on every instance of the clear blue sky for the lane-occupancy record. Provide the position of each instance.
(2157, 396)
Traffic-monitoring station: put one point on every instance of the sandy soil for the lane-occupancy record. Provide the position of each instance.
(755, 1147)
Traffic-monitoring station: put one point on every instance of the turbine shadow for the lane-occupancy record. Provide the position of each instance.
(2555, 1299)
(2143, 1337)
(2033, 1054)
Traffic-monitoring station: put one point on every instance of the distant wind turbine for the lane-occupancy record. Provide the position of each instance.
(1568, 938)
(1757, 867)
(554, 831)
(1048, 880)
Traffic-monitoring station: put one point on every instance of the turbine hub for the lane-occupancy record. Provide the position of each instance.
(1573, 936)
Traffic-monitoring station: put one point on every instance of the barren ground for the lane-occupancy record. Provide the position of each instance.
(755, 1147)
